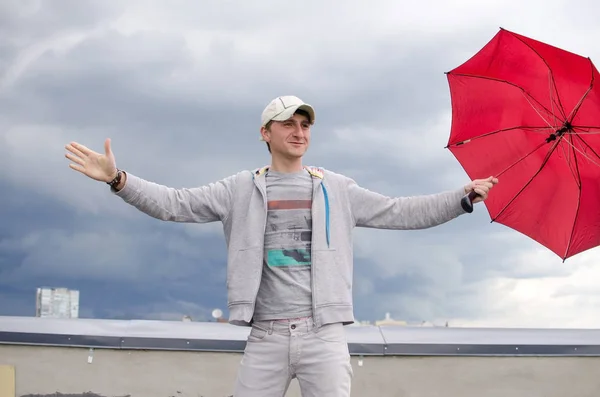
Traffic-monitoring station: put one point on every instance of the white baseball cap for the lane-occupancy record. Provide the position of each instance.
(284, 107)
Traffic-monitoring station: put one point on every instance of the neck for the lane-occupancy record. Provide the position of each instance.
(279, 164)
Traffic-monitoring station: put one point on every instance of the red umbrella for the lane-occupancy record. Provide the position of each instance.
(529, 114)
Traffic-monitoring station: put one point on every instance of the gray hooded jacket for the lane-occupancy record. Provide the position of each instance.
(339, 204)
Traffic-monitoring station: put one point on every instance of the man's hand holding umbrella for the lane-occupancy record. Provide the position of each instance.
(477, 191)
(480, 188)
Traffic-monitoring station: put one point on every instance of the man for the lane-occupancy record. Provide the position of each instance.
(288, 229)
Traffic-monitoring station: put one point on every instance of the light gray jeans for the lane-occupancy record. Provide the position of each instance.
(278, 351)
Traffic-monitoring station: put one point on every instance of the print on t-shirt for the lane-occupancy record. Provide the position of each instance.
(289, 226)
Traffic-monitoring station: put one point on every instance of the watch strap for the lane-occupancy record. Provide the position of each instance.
(116, 180)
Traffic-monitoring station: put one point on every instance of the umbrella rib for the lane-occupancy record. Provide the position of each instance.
(552, 100)
(516, 162)
(521, 159)
(567, 154)
(574, 151)
(554, 146)
(475, 76)
(589, 147)
(576, 108)
(578, 181)
(562, 110)
(520, 127)
(585, 130)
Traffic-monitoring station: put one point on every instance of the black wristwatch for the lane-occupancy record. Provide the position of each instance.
(116, 180)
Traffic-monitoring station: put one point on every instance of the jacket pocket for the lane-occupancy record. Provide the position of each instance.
(243, 274)
(333, 278)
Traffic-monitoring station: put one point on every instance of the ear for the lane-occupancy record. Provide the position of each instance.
(265, 133)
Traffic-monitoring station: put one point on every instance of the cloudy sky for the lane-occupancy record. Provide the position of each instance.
(179, 87)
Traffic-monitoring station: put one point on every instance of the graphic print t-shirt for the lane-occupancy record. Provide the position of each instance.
(285, 289)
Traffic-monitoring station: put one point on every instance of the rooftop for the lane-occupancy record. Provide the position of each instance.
(363, 340)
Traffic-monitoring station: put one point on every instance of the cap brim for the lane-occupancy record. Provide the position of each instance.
(289, 112)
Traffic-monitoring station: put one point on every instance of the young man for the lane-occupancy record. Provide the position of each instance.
(288, 229)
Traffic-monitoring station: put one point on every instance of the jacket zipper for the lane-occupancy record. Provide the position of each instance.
(316, 320)
(264, 196)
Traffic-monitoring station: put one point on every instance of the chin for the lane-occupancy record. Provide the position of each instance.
(297, 149)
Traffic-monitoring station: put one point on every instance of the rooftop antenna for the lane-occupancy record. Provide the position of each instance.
(217, 314)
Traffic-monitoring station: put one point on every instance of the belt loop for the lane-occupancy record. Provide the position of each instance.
(271, 323)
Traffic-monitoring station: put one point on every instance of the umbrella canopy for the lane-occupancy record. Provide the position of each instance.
(529, 113)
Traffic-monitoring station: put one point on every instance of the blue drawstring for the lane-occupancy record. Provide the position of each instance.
(326, 213)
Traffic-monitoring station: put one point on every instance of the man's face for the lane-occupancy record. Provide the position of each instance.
(289, 138)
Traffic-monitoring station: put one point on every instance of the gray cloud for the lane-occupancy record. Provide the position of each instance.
(180, 89)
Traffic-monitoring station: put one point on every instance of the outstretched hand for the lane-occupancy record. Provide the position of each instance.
(101, 167)
(482, 187)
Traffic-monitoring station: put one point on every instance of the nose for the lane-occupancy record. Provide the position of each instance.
(298, 130)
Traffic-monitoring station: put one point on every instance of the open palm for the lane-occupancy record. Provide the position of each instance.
(101, 167)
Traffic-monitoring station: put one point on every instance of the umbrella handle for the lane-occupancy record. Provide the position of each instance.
(467, 201)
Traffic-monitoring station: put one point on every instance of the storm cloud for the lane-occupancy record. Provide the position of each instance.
(179, 89)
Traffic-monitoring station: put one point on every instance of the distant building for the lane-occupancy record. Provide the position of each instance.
(390, 321)
(57, 303)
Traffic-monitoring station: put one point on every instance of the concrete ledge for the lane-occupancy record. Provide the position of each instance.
(362, 340)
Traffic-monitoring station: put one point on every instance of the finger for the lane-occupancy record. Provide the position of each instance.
(76, 168)
(486, 185)
(483, 193)
(83, 149)
(74, 150)
(75, 159)
(107, 146)
(489, 179)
